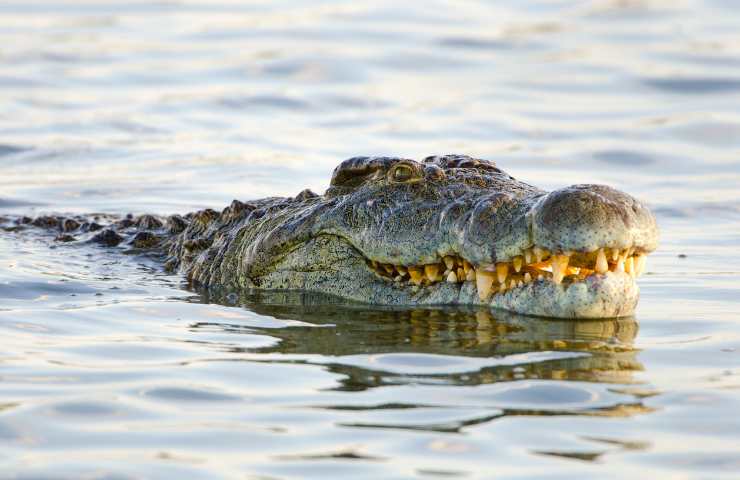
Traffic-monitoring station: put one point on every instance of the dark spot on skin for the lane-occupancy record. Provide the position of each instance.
(125, 223)
(236, 211)
(170, 265)
(148, 222)
(90, 227)
(197, 244)
(176, 224)
(46, 222)
(70, 224)
(107, 238)
(204, 217)
(65, 238)
(681, 255)
(305, 195)
(145, 240)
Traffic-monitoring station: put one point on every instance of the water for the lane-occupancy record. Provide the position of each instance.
(112, 369)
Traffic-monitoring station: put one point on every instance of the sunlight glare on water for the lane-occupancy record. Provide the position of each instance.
(112, 369)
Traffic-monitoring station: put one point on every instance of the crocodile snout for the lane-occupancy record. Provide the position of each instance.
(584, 218)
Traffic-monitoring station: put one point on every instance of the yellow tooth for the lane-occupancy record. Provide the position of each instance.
(629, 266)
(517, 263)
(402, 270)
(466, 266)
(539, 253)
(540, 277)
(615, 254)
(416, 275)
(527, 277)
(601, 264)
(512, 283)
(620, 265)
(470, 276)
(520, 283)
(450, 262)
(452, 278)
(502, 271)
(431, 271)
(461, 272)
(502, 288)
(640, 263)
(559, 266)
(483, 281)
(528, 256)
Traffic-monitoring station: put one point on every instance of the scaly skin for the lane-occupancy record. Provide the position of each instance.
(383, 219)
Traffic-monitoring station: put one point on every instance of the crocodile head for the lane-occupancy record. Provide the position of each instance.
(453, 230)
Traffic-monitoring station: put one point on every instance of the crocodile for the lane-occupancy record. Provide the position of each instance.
(447, 230)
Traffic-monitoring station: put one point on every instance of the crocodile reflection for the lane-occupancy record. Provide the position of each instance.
(339, 329)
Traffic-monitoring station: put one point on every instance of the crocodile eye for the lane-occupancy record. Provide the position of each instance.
(402, 173)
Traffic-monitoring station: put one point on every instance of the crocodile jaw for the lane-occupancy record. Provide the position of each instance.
(348, 274)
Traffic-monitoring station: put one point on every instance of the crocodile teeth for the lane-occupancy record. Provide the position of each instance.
(601, 266)
(431, 271)
(640, 263)
(629, 266)
(528, 256)
(559, 266)
(620, 265)
(517, 262)
(502, 271)
(484, 281)
(416, 275)
(449, 262)
(467, 266)
(502, 276)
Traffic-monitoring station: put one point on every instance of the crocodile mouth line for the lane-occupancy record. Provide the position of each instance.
(536, 264)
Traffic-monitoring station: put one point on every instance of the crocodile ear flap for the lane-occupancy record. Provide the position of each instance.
(462, 161)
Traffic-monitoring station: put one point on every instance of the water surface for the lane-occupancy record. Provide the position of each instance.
(112, 369)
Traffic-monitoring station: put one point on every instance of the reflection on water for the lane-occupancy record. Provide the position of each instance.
(598, 350)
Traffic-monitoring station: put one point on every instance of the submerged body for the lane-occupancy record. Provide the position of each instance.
(391, 231)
